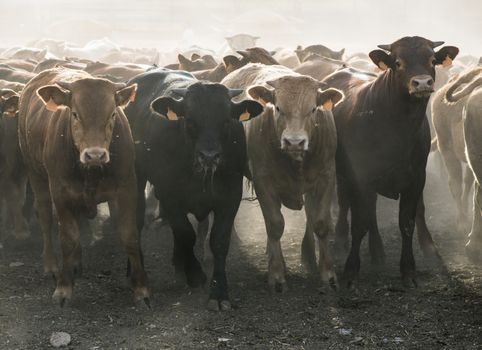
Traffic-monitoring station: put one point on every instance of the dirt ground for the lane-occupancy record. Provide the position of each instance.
(444, 312)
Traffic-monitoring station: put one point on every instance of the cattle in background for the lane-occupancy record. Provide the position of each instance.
(196, 62)
(55, 62)
(191, 146)
(5, 84)
(115, 72)
(15, 75)
(287, 58)
(78, 149)
(471, 97)
(13, 175)
(241, 41)
(291, 152)
(231, 63)
(383, 144)
(319, 67)
(320, 50)
(448, 124)
(26, 65)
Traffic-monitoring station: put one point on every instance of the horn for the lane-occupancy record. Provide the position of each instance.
(234, 92)
(180, 92)
(385, 47)
(437, 43)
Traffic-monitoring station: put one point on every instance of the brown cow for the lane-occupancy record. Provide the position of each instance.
(17, 87)
(13, 176)
(15, 75)
(27, 65)
(196, 62)
(78, 149)
(115, 72)
(291, 154)
(320, 50)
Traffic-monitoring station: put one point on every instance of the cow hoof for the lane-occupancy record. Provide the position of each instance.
(333, 283)
(61, 295)
(216, 305)
(141, 293)
(278, 287)
(213, 305)
(409, 281)
(474, 253)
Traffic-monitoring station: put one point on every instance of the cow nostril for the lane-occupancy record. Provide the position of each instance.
(415, 83)
(102, 156)
(302, 143)
(87, 156)
(430, 82)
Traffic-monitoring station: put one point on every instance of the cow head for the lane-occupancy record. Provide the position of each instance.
(250, 55)
(209, 115)
(93, 107)
(413, 61)
(8, 102)
(295, 102)
(196, 62)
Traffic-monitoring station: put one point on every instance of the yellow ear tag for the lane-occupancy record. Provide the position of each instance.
(51, 106)
(447, 62)
(171, 115)
(243, 117)
(328, 105)
(382, 65)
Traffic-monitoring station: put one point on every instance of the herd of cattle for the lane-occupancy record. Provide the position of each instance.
(85, 125)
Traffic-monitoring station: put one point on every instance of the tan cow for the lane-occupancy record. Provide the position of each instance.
(78, 149)
(447, 119)
(291, 155)
(471, 96)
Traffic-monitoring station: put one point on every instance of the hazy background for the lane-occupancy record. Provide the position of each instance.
(168, 25)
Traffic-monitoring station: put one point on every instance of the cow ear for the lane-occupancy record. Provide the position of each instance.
(124, 95)
(446, 55)
(261, 94)
(53, 96)
(168, 107)
(329, 98)
(246, 110)
(382, 59)
(184, 63)
(195, 56)
(231, 63)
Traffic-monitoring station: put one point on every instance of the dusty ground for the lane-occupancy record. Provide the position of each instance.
(445, 312)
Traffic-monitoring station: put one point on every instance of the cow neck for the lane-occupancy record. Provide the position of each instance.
(407, 112)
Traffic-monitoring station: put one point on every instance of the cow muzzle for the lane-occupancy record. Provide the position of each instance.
(208, 160)
(295, 145)
(94, 156)
(421, 85)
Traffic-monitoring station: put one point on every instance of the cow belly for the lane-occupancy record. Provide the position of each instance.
(391, 184)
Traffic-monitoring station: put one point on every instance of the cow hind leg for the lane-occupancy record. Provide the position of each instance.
(15, 196)
(473, 247)
(424, 237)
(375, 243)
(342, 227)
(464, 223)
(308, 254)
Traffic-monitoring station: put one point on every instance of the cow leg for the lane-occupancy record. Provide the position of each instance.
(454, 169)
(468, 182)
(424, 237)
(183, 259)
(15, 197)
(409, 201)
(219, 243)
(375, 243)
(43, 208)
(308, 254)
(362, 209)
(71, 252)
(274, 222)
(342, 227)
(473, 247)
(131, 241)
(318, 216)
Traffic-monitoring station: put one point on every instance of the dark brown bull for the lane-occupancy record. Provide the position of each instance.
(383, 144)
(78, 149)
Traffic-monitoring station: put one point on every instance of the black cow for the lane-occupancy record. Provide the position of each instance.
(383, 145)
(191, 146)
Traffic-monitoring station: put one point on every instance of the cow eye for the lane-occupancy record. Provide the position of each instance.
(398, 63)
(434, 61)
(314, 109)
(75, 115)
(277, 109)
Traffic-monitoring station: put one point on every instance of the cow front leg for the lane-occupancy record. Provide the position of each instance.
(409, 200)
(473, 247)
(342, 227)
(318, 217)
(71, 252)
(131, 241)
(375, 243)
(424, 237)
(219, 243)
(43, 208)
(274, 222)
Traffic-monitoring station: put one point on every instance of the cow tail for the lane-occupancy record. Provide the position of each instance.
(467, 78)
